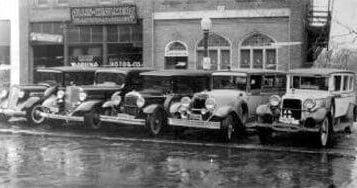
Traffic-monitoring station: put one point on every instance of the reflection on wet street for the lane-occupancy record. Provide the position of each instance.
(65, 159)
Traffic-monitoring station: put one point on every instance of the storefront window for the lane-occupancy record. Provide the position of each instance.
(218, 51)
(176, 55)
(257, 53)
(4, 53)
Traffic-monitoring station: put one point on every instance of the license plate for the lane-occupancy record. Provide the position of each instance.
(125, 116)
(54, 109)
(288, 120)
(195, 117)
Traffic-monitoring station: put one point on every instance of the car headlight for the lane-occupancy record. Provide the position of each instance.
(82, 96)
(60, 94)
(274, 100)
(116, 98)
(185, 101)
(140, 102)
(3, 93)
(21, 94)
(210, 103)
(309, 104)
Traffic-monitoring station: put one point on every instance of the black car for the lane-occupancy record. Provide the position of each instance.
(150, 106)
(82, 103)
(23, 100)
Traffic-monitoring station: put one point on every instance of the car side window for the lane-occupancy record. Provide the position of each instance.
(255, 82)
(337, 83)
(351, 83)
(345, 83)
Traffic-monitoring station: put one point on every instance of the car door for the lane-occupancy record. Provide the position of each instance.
(343, 93)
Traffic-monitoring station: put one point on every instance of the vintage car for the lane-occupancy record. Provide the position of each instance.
(23, 100)
(150, 106)
(320, 101)
(82, 103)
(231, 103)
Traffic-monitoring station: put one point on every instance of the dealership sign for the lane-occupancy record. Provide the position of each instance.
(120, 14)
(44, 37)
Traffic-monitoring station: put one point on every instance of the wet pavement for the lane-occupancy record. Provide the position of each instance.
(126, 157)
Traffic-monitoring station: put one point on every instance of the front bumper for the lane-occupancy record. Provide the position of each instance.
(285, 127)
(122, 118)
(67, 118)
(12, 112)
(194, 124)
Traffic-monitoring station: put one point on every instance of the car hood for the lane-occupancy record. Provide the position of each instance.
(31, 87)
(305, 94)
(100, 88)
(226, 97)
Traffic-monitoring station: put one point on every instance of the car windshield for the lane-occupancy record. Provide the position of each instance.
(309, 82)
(110, 79)
(48, 77)
(158, 83)
(79, 78)
(188, 85)
(230, 82)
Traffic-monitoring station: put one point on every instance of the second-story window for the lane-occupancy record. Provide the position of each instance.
(42, 3)
(105, 1)
(62, 2)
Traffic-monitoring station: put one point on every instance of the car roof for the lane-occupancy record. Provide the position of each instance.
(121, 70)
(247, 71)
(319, 71)
(67, 69)
(168, 73)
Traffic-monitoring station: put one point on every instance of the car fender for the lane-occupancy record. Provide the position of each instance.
(110, 104)
(50, 101)
(263, 110)
(88, 106)
(151, 108)
(224, 111)
(319, 114)
(175, 107)
(50, 91)
(30, 102)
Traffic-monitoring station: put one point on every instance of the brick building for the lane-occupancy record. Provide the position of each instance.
(166, 34)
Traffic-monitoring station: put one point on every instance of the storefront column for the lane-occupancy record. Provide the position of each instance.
(65, 44)
(105, 45)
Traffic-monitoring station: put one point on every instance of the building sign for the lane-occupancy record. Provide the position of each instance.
(86, 61)
(44, 37)
(123, 62)
(121, 14)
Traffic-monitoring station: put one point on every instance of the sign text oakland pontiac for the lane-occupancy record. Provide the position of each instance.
(103, 15)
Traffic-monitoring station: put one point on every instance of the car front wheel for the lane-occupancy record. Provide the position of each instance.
(325, 133)
(156, 123)
(33, 117)
(92, 121)
(228, 129)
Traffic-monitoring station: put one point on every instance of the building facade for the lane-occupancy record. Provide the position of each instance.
(166, 34)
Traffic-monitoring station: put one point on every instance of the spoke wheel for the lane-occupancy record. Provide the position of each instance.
(156, 123)
(33, 116)
(228, 128)
(92, 121)
(324, 133)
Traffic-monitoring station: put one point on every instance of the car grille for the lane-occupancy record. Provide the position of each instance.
(130, 105)
(72, 97)
(13, 97)
(199, 101)
(292, 108)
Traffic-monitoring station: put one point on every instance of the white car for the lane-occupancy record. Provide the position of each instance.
(320, 101)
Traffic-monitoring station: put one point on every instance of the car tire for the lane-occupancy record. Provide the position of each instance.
(92, 121)
(32, 117)
(325, 133)
(156, 123)
(4, 118)
(265, 135)
(228, 129)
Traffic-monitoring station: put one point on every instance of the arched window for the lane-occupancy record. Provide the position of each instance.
(257, 52)
(176, 55)
(219, 50)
